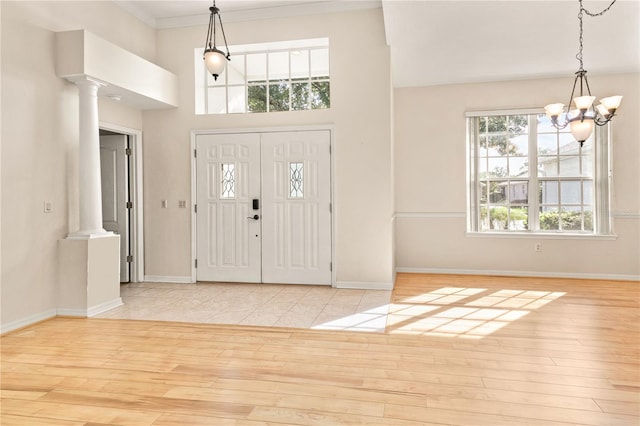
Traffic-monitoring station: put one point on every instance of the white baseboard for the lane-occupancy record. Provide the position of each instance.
(167, 279)
(358, 285)
(615, 277)
(24, 322)
(80, 313)
(103, 307)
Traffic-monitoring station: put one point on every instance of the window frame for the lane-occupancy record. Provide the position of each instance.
(602, 181)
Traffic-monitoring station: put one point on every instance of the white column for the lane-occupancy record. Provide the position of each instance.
(90, 191)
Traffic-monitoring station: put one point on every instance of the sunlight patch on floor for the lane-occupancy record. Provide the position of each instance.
(475, 315)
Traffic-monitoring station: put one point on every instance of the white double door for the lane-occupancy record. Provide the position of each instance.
(264, 207)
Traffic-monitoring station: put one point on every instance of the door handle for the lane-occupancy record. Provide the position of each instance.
(254, 217)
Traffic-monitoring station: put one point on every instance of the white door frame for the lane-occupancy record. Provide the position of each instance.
(136, 194)
(194, 232)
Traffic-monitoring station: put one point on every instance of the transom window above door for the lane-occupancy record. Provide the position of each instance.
(266, 77)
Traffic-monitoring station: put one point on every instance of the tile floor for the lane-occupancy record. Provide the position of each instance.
(300, 306)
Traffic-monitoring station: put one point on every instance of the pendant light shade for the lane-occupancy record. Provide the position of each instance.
(215, 59)
(581, 128)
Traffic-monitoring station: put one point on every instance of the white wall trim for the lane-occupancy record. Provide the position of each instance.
(65, 312)
(168, 279)
(431, 215)
(362, 285)
(27, 321)
(625, 215)
(615, 277)
(103, 307)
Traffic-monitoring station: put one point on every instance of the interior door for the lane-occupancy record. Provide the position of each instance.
(115, 194)
(296, 196)
(228, 226)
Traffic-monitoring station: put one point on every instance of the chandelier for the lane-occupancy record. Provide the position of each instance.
(582, 119)
(214, 58)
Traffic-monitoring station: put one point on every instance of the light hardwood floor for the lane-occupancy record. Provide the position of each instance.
(463, 350)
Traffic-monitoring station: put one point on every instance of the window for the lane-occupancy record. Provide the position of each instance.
(528, 177)
(266, 77)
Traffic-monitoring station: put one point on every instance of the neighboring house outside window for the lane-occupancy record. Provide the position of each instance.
(266, 77)
(527, 177)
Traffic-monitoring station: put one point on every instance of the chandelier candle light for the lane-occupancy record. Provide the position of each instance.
(214, 58)
(582, 119)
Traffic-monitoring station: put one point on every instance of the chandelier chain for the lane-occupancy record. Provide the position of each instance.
(583, 10)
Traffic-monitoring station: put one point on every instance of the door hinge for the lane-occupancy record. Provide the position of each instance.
(129, 259)
(195, 153)
(195, 208)
(196, 263)
(127, 151)
(129, 205)
(330, 207)
(331, 266)
(329, 149)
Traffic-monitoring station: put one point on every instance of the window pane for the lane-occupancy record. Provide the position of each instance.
(484, 219)
(482, 167)
(482, 147)
(257, 98)
(569, 166)
(483, 192)
(257, 67)
(518, 218)
(320, 98)
(300, 96)
(237, 99)
(547, 166)
(587, 192)
(498, 218)
(497, 167)
(544, 124)
(588, 219)
(547, 144)
(216, 100)
(300, 64)
(549, 219)
(518, 166)
(518, 192)
(571, 219)
(518, 124)
(570, 192)
(519, 145)
(549, 192)
(568, 144)
(235, 70)
(498, 192)
(496, 124)
(228, 180)
(587, 164)
(296, 180)
(319, 62)
(279, 66)
(279, 96)
(498, 145)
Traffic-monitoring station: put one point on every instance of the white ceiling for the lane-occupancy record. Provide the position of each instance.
(450, 41)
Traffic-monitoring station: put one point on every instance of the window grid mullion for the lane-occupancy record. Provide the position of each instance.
(534, 202)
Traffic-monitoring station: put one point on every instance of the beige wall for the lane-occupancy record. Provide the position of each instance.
(40, 139)
(360, 113)
(430, 184)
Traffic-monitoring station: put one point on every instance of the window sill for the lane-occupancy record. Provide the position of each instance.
(542, 236)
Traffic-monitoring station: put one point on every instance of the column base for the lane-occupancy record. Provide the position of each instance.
(88, 235)
(89, 274)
